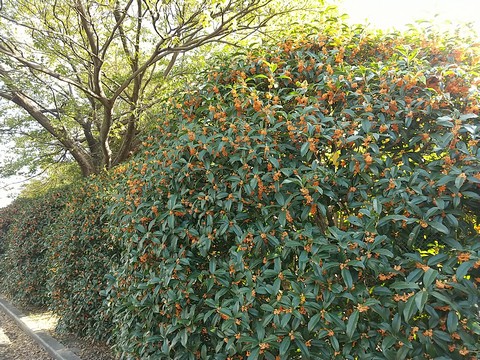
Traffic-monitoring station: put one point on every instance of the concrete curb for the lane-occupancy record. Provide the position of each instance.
(57, 350)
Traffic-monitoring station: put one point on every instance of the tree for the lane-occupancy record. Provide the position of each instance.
(86, 71)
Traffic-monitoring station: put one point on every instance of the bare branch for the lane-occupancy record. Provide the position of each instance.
(119, 17)
(35, 66)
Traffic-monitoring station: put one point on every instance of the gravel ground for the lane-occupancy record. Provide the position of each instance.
(21, 347)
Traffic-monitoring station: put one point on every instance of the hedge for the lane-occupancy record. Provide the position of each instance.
(316, 199)
(56, 253)
(24, 268)
(81, 253)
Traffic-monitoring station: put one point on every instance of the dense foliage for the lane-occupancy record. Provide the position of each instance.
(25, 226)
(320, 201)
(80, 255)
(315, 199)
(56, 252)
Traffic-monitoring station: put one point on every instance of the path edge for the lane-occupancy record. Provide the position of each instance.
(54, 348)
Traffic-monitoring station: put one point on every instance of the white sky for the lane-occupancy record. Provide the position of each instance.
(383, 14)
(9, 188)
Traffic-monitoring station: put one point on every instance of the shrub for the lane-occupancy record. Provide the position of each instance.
(7, 217)
(81, 253)
(320, 201)
(25, 226)
(56, 252)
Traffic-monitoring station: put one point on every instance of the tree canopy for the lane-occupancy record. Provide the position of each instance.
(86, 71)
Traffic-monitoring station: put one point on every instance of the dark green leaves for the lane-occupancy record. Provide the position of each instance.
(352, 323)
(437, 225)
(429, 277)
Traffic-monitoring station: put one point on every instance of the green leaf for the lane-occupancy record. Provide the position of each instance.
(267, 307)
(274, 162)
(347, 277)
(463, 268)
(396, 323)
(280, 198)
(410, 308)
(429, 277)
(377, 206)
(402, 353)
(475, 327)
(437, 225)
(421, 299)
(212, 266)
(352, 323)
(335, 343)
(390, 218)
(443, 298)
(388, 342)
(382, 291)
(355, 221)
(284, 346)
(437, 259)
(282, 218)
(385, 252)
(460, 180)
(254, 354)
(452, 321)
(285, 319)
(468, 116)
(356, 264)
(403, 285)
(366, 125)
(260, 331)
(303, 348)
(471, 195)
(441, 337)
(141, 228)
(171, 221)
(184, 338)
(304, 148)
(313, 322)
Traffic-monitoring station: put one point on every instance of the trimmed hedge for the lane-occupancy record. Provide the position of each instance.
(56, 253)
(81, 254)
(24, 267)
(320, 201)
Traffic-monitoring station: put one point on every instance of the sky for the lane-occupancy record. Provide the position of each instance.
(383, 14)
(9, 187)
(386, 14)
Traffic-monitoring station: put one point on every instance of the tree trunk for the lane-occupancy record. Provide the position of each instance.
(105, 134)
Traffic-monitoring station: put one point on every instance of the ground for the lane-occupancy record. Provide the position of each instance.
(16, 345)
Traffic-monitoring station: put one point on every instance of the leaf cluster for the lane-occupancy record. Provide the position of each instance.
(81, 252)
(316, 200)
(24, 266)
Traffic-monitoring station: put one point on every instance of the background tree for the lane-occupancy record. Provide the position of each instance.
(86, 71)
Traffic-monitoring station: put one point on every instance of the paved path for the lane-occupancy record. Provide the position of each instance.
(16, 345)
(4, 339)
(23, 338)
